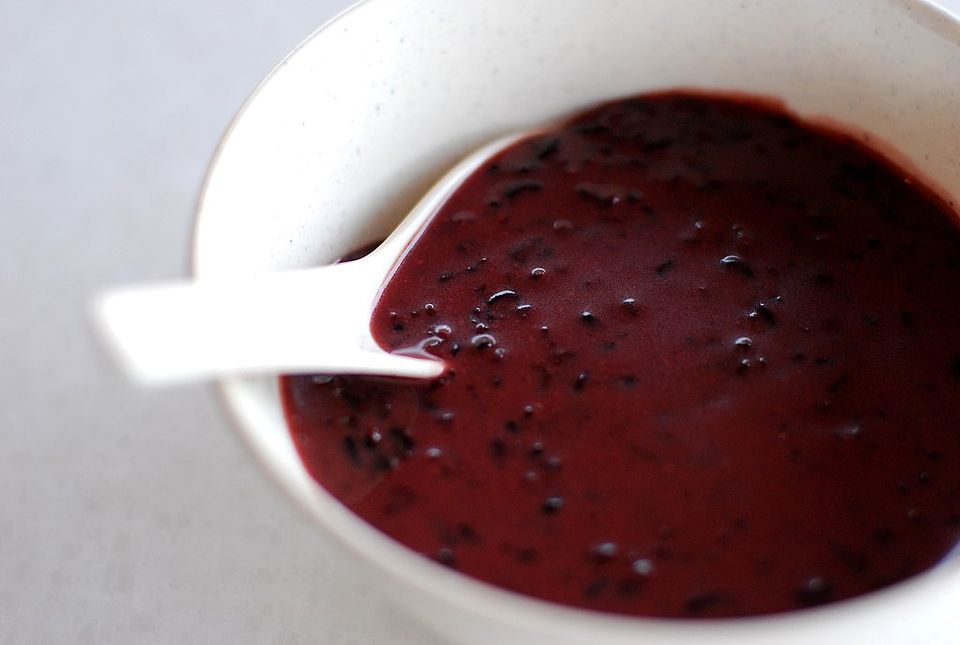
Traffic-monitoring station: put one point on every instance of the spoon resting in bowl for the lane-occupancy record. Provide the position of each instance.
(299, 321)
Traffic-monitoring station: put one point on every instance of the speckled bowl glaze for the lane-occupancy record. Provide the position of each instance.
(342, 137)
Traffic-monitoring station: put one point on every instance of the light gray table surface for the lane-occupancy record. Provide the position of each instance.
(133, 516)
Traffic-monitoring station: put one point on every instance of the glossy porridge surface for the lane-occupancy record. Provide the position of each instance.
(703, 362)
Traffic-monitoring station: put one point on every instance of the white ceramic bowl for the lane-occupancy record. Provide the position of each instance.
(343, 136)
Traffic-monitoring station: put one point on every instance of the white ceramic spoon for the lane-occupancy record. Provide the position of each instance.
(309, 320)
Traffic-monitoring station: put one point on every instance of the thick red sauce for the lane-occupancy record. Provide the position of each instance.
(703, 361)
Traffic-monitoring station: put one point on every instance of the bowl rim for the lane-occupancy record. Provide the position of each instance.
(369, 546)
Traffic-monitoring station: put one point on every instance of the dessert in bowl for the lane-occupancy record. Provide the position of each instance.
(334, 147)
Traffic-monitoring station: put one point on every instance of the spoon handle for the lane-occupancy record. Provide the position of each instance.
(305, 321)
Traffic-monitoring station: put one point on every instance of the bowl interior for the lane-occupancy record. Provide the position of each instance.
(349, 131)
